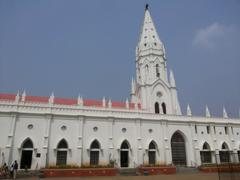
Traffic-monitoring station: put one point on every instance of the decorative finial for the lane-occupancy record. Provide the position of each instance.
(146, 7)
(189, 112)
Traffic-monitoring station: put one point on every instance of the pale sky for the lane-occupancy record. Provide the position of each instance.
(88, 47)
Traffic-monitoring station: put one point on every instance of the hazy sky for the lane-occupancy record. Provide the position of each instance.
(88, 47)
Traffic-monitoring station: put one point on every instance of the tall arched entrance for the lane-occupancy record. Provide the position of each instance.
(94, 153)
(27, 152)
(152, 153)
(224, 154)
(178, 150)
(124, 154)
(206, 154)
(62, 150)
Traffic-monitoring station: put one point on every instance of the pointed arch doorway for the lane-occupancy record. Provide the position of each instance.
(124, 154)
(178, 150)
(27, 153)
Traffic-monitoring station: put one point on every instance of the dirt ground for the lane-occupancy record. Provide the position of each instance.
(195, 176)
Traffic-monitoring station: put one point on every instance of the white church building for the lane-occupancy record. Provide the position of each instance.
(149, 128)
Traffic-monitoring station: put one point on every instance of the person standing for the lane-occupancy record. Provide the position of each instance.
(15, 168)
(11, 171)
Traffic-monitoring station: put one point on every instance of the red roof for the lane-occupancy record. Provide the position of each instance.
(65, 101)
(89, 102)
(7, 96)
(38, 99)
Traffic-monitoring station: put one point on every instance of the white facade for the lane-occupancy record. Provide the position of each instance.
(46, 121)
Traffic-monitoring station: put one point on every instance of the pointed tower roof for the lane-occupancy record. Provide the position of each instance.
(149, 38)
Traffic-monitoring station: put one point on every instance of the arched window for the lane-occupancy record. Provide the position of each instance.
(125, 145)
(206, 146)
(224, 154)
(94, 153)
(152, 153)
(124, 154)
(27, 144)
(26, 155)
(224, 146)
(62, 144)
(62, 149)
(164, 108)
(157, 70)
(157, 108)
(206, 155)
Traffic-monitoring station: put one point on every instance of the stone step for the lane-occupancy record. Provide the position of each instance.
(127, 172)
(181, 169)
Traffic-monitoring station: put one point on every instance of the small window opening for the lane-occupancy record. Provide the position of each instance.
(164, 108)
(214, 128)
(157, 70)
(226, 129)
(196, 129)
(156, 108)
(208, 129)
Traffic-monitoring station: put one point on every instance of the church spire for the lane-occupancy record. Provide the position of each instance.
(149, 38)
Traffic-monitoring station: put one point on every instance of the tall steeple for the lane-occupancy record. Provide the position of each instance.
(149, 38)
(152, 88)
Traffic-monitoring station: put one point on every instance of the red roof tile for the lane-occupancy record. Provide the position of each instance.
(65, 101)
(7, 96)
(89, 102)
(118, 105)
(38, 99)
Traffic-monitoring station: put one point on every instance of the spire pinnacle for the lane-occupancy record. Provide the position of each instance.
(172, 79)
(225, 114)
(149, 38)
(207, 112)
(146, 7)
(133, 86)
(189, 112)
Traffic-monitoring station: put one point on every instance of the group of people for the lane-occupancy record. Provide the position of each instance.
(10, 172)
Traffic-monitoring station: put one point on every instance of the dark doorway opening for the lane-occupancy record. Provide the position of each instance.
(152, 157)
(94, 158)
(61, 157)
(26, 159)
(178, 149)
(124, 158)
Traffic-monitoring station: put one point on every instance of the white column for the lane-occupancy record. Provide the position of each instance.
(167, 143)
(161, 149)
(110, 140)
(195, 146)
(214, 144)
(10, 142)
(139, 158)
(44, 159)
(80, 140)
